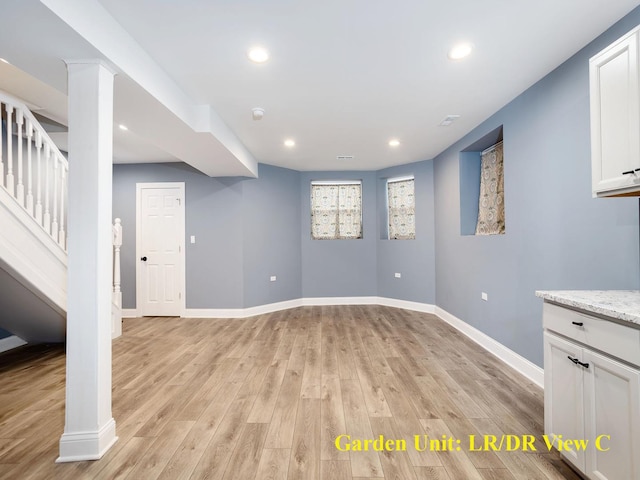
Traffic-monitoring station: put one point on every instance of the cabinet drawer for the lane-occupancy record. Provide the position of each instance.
(609, 337)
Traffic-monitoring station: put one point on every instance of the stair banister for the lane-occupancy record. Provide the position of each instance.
(24, 132)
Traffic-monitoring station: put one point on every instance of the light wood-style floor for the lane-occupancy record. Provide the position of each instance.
(265, 398)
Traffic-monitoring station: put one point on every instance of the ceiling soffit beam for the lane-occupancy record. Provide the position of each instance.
(96, 25)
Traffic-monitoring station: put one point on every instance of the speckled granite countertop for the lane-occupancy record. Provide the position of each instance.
(619, 304)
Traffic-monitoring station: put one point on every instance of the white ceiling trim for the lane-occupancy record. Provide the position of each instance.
(91, 21)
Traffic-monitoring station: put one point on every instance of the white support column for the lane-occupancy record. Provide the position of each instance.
(90, 429)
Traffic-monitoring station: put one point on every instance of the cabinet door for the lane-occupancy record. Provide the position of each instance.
(612, 408)
(563, 396)
(615, 116)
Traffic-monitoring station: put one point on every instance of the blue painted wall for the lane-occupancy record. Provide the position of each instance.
(413, 259)
(245, 229)
(339, 268)
(271, 236)
(558, 236)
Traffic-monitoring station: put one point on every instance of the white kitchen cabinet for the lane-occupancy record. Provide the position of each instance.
(563, 394)
(615, 118)
(592, 390)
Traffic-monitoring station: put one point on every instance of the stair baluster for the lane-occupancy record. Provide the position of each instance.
(38, 213)
(54, 199)
(61, 233)
(20, 186)
(1, 157)
(47, 215)
(29, 132)
(117, 243)
(10, 179)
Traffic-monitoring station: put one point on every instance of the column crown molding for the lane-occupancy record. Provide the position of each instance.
(91, 61)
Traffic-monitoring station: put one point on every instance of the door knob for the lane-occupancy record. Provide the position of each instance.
(144, 259)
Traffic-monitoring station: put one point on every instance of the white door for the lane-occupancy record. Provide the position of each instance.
(160, 249)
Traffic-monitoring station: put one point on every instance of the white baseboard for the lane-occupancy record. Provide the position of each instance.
(407, 305)
(81, 446)
(303, 302)
(241, 312)
(10, 343)
(130, 313)
(508, 356)
(319, 301)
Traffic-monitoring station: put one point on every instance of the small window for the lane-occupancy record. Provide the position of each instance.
(482, 198)
(491, 201)
(336, 210)
(402, 208)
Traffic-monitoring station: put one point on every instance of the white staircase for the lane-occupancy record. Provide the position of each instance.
(33, 214)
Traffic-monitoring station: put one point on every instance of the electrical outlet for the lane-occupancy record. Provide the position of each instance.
(193, 239)
(397, 275)
(485, 297)
(272, 278)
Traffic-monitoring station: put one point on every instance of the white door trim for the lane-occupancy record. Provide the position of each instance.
(182, 272)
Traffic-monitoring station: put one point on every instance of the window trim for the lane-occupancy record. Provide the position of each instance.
(336, 182)
(401, 179)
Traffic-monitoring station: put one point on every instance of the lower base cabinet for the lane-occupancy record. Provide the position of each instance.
(592, 403)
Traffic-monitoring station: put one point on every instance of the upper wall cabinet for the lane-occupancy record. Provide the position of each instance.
(615, 118)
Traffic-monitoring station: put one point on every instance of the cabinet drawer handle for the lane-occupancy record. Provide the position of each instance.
(578, 323)
(578, 362)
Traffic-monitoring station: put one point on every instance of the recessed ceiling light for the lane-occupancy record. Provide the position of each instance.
(4, 61)
(460, 51)
(289, 143)
(123, 127)
(394, 142)
(258, 55)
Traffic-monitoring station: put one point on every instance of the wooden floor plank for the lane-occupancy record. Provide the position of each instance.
(274, 464)
(335, 470)
(281, 428)
(305, 452)
(246, 455)
(363, 463)
(160, 451)
(332, 419)
(266, 396)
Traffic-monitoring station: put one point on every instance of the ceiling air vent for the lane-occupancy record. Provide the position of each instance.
(448, 120)
(344, 157)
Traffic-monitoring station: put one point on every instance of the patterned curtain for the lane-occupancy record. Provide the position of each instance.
(402, 210)
(491, 202)
(336, 211)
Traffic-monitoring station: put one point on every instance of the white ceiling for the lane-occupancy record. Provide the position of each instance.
(344, 77)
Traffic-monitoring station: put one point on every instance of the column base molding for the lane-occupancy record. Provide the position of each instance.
(80, 446)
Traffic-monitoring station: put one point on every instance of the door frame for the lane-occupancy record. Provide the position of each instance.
(181, 226)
